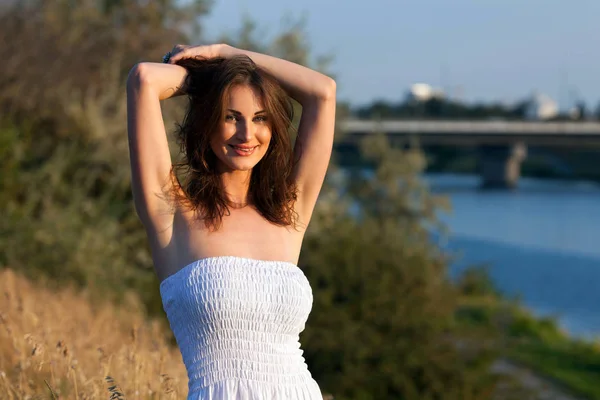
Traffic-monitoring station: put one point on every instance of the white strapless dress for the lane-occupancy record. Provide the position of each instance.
(237, 323)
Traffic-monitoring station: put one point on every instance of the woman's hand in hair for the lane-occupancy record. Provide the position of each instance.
(181, 52)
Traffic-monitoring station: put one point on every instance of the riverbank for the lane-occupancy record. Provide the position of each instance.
(568, 364)
(538, 242)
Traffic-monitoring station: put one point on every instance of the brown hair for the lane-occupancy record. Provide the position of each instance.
(272, 190)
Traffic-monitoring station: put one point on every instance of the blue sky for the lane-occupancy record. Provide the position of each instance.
(484, 50)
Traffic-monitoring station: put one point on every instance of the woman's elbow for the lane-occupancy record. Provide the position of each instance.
(138, 75)
(329, 88)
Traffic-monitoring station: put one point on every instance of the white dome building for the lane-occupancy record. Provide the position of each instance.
(423, 92)
(541, 107)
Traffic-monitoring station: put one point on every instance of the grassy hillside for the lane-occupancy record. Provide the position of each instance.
(57, 340)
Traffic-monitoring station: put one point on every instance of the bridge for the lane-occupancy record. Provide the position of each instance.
(502, 144)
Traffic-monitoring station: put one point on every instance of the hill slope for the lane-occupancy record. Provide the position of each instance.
(60, 338)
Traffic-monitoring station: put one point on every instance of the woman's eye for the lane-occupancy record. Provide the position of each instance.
(261, 118)
(230, 118)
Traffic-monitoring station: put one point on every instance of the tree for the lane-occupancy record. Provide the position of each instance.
(383, 314)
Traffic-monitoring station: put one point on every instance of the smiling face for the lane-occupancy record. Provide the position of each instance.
(244, 132)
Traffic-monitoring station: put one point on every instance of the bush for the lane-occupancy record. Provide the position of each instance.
(383, 319)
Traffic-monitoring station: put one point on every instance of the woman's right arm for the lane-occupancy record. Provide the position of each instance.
(147, 84)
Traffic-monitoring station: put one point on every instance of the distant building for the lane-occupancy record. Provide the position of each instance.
(541, 107)
(422, 92)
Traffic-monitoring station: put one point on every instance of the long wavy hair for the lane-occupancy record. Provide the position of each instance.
(272, 190)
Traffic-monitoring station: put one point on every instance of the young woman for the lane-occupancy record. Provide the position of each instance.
(226, 240)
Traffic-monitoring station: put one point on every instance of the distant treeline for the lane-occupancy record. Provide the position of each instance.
(443, 108)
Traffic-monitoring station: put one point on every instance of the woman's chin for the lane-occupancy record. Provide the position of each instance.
(242, 165)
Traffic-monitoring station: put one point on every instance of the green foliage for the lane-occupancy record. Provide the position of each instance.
(383, 315)
(67, 218)
(65, 165)
(575, 364)
(476, 281)
(532, 342)
(524, 325)
(540, 344)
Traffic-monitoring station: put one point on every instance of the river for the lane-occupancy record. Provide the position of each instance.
(541, 241)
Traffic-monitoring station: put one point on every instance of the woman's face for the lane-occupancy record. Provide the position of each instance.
(244, 133)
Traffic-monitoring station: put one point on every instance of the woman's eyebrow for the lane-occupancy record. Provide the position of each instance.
(239, 113)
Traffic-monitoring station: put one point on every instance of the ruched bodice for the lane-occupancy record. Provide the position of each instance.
(237, 323)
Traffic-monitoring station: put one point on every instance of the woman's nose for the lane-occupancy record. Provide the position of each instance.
(246, 130)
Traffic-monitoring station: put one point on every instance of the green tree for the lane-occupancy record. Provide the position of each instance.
(67, 195)
(382, 324)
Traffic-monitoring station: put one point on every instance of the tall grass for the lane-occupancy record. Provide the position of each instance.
(57, 344)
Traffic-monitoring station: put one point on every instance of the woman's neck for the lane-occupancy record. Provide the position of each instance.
(237, 188)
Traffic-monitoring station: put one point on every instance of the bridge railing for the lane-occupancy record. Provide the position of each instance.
(471, 127)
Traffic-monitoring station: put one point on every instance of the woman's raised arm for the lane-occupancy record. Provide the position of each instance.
(317, 95)
(147, 84)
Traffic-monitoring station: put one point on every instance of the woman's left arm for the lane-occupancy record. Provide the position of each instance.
(317, 95)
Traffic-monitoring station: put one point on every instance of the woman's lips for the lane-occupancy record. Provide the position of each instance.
(243, 151)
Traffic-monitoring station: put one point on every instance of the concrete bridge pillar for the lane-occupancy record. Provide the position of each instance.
(500, 165)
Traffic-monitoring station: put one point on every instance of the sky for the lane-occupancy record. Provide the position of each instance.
(476, 50)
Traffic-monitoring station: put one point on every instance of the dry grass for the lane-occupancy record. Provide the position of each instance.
(56, 344)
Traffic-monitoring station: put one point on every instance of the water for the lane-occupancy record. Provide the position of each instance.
(541, 242)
